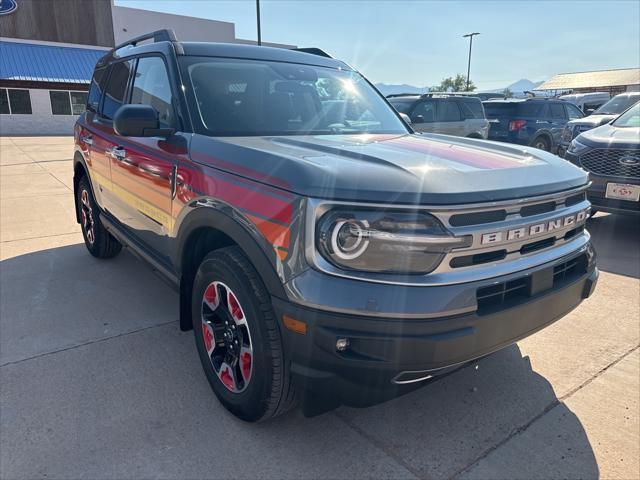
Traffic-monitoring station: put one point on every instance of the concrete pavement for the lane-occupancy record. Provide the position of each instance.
(98, 381)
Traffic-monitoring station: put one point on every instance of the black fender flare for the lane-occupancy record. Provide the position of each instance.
(78, 158)
(210, 217)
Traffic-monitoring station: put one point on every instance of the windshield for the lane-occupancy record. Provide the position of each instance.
(630, 118)
(617, 105)
(237, 97)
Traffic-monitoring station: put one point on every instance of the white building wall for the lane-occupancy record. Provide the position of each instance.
(132, 22)
(40, 122)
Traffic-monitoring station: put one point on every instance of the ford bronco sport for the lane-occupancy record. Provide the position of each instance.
(321, 250)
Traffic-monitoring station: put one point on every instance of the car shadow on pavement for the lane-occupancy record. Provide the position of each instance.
(99, 382)
(616, 239)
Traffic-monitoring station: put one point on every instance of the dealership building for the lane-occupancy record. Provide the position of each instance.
(48, 50)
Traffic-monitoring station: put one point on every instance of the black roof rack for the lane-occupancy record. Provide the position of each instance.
(393, 95)
(313, 51)
(165, 35)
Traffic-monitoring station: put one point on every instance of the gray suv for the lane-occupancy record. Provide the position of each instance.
(449, 114)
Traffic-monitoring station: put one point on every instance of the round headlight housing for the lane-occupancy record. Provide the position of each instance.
(383, 241)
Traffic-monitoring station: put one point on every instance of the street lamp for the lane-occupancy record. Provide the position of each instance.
(470, 35)
(258, 21)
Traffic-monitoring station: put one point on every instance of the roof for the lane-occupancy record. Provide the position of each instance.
(596, 79)
(47, 63)
(255, 52)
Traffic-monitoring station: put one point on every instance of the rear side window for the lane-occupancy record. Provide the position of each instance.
(557, 110)
(530, 109)
(116, 88)
(96, 89)
(151, 87)
(449, 112)
(471, 108)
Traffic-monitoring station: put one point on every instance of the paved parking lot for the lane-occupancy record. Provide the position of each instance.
(97, 381)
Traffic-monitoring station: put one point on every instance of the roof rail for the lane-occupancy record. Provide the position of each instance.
(313, 51)
(165, 35)
(393, 95)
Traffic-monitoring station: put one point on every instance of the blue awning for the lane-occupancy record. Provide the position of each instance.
(47, 63)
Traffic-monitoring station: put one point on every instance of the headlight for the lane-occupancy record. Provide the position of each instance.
(384, 241)
(567, 134)
(576, 147)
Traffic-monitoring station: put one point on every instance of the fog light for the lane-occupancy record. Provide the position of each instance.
(342, 344)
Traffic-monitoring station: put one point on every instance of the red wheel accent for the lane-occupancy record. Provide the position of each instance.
(227, 378)
(209, 339)
(234, 306)
(245, 365)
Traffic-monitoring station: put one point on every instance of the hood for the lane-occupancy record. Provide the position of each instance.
(612, 136)
(592, 120)
(411, 168)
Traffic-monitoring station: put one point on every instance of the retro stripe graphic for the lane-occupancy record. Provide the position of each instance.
(271, 215)
(472, 157)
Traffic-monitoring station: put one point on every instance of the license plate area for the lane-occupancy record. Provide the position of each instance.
(623, 191)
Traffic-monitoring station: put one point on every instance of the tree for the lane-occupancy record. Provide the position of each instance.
(507, 93)
(454, 84)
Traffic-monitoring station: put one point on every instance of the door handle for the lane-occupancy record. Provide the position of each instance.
(87, 139)
(118, 153)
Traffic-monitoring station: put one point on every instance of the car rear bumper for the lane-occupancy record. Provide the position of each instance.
(384, 354)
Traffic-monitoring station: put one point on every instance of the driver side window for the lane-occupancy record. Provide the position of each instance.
(424, 112)
(151, 87)
(574, 112)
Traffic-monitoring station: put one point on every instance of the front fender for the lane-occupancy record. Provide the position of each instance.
(204, 215)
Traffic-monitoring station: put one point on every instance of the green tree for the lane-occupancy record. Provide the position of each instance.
(507, 93)
(454, 84)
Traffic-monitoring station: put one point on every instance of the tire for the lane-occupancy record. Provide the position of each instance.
(99, 242)
(542, 143)
(233, 317)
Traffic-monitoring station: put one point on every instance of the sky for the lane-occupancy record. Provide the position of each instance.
(420, 42)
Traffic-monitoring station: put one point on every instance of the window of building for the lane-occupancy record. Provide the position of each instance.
(14, 101)
(4, 102)
(67, 103)
(151, 87)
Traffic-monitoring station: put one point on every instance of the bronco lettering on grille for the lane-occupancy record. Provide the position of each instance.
(533, 229)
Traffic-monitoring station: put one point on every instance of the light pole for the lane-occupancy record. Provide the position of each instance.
(258, 20)
(470, 35)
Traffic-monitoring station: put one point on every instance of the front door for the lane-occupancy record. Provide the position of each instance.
(143, 168)
(423, 117)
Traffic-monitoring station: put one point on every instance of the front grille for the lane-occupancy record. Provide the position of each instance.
(607, 162)
(509, 294)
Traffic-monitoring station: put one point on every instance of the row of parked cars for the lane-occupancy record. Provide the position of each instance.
(567, 126)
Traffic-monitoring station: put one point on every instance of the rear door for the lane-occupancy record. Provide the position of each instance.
(558, 119)
(450, 119)
(102, 135)
(143, 168)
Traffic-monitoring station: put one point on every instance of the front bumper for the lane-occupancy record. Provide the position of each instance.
(386, 353)
(596, 194)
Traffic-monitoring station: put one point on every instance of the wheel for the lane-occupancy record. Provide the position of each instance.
(238, 338)
(98, 240)
(542, 143)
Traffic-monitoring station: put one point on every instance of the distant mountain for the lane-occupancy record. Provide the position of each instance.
(390, 89)
(517, 88)
(522, 85)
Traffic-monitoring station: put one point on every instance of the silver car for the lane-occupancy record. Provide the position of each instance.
(449, 114)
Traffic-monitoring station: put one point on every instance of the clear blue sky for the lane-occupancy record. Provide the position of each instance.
(419, 42)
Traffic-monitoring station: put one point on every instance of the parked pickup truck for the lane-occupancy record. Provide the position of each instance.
(320, 248)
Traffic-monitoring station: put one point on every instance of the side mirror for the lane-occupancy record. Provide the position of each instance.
(406, 118)
(139, 121)
(418, 119)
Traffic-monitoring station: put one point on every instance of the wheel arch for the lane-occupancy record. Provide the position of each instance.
(79, 170)
(204, 230)
(543, 134)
